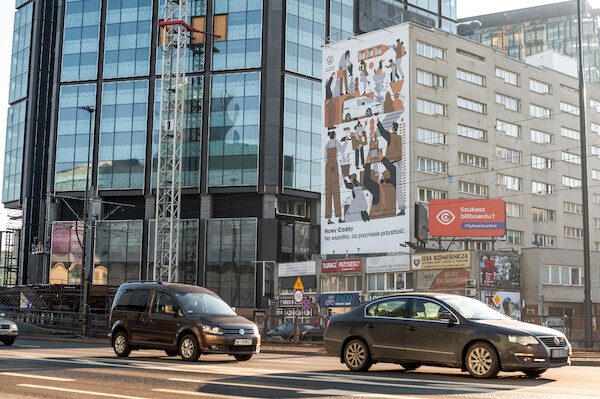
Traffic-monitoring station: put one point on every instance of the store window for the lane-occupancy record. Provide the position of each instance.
(399, 281)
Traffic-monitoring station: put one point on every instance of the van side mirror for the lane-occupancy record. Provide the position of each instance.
(445, 315)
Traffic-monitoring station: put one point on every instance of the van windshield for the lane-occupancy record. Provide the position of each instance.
(204, 304)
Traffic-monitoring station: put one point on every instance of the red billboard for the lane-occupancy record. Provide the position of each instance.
(345, 265)
(467, 218)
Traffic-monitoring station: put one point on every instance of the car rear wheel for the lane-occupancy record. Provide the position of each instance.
(369, 112)
(188, 348)
(348, 117)
(121, 345)
(9, 341)
(357, 356)
(481, 361)
(242, 358)
(534, 373)
(410, 366)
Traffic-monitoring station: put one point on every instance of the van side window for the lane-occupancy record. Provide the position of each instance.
(161, 300)
(134, 300)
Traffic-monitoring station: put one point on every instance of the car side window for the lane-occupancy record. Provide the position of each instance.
(161, 300)
(388, 308)
(289, 327)
(133, 300)
(425, 310)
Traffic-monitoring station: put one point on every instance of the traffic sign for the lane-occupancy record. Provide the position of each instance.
(306, 304)
(298, 285)
(298, 296)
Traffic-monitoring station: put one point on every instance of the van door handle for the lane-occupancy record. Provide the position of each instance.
(370, 325)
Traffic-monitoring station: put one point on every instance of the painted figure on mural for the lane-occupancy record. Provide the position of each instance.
(400, 51)
(345, 67)
(364, 77)
(392, 160)
(329, 106)
(357, 211)
(332, 177)
(359, 140)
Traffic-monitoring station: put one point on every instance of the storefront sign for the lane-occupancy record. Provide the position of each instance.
(342, 300)
(345, 265)
(441, 260)
(289, 302)
(383, 264)
(297, 269)
(467, 218)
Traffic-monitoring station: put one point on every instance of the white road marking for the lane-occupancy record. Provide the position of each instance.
(110, 395)
(39, 377)
(194, 393)
(27, 346)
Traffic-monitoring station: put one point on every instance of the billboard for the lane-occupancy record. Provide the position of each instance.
(502, 271)
(446, 279)
(467, 218)
(508, 303)
(346, 265)
(441, 260)
(365, 143)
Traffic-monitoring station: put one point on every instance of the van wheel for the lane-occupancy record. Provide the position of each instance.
(357, 356)
(121, 345)
(348, 117)
(188, 348)
(242, 358)
(369, 112)
(481, 361)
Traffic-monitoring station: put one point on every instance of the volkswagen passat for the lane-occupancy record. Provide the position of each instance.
(443, 330)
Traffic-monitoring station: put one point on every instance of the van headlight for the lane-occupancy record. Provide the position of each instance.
(13, 326)
(212, 330)
(523, 339)
(255, 329)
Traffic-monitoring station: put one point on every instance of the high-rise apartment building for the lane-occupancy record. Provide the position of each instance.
(521, 33)
(85, 84)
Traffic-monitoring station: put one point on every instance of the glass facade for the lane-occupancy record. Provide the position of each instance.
(192, 132)
(117, 252)
(296, 241)
(66, 253)
(72, 146)
(188, 251)
(13, 156)
(80, 42)
(429, 5)
(123, 135)
(302, 134)
(19, 67)
(304, 34)
(230, 252)
(341, 20)
(239, 23)
(234, 129)
(127, 42)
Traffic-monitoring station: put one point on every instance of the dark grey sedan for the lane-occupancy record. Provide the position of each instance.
(443, 330)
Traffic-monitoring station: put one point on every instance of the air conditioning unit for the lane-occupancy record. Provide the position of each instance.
(471, 283)
(470, 292)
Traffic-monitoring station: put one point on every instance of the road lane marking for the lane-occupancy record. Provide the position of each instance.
(110, 395)
(27, 346)
(39, 377)
(194, 393)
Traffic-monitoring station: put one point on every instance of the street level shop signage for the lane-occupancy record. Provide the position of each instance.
(382, 264)
(441, 260)
(345, 265)
(289, 302)
(467, 218)
(342, 300)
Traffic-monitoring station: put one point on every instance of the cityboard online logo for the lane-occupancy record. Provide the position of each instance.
(445, 217)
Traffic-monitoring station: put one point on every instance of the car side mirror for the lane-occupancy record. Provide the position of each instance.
(445, 315)
(170, 309)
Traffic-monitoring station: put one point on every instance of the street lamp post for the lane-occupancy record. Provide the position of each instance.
(87, 236)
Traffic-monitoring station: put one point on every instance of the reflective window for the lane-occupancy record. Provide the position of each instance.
(230, 252)
(117, 252)
(123, 135)
(192, 132)
(449, 9)
(239, 25)
(74, 128)
(19, 67)
(127, 41)
(426, 310)
(430, 5)
(341, 20)
(66, 253)
(388, 308)
(296, 241)
(305, 31)
(233, 136)
(302, 134)
(80, 40)
(188, 251)
(13, 156)
(19, 3)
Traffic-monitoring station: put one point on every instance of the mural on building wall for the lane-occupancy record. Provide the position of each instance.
(365, 143)
(503, 271)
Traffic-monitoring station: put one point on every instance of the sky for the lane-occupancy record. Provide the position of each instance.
(465, 8)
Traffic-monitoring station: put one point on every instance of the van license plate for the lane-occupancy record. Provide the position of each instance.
(560, 352)
(244, 341)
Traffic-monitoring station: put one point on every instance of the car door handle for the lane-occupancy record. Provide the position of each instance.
(370, 325)
(411, 329)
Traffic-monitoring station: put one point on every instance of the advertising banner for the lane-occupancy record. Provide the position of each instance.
(502, 271)
(467, 218)
(447, 279)
(297, 269)
(383, 264)
(441, 260)
(346, 265)
(342, 300)
(508, 303)
(365, 141)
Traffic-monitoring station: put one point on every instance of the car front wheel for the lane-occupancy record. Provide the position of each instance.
(534, 373)
(369, 113)
(9, 341)
(357, 356)
(481, 361)
(121, 345)
(348, 117)
(188, 348)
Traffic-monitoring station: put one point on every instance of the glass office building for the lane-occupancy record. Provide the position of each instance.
(85, 113)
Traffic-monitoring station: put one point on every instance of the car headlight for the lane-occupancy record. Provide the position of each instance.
(212, 330)
(255, 329)
(523, 339)
(13, 326)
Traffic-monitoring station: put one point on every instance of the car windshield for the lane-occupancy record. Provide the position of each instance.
(367, 100)
(472, 309)
(205, 304)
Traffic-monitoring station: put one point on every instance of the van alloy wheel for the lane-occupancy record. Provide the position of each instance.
(188, 348)
(121, 345)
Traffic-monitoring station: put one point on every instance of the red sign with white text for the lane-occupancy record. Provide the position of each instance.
(467, 218)
(344, 265)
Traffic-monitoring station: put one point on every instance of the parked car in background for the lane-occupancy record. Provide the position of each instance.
(285, 331)
(443, 330)
(315, 334)
(8, 330)
(180, 319)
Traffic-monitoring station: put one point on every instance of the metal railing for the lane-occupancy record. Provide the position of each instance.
(59, 321)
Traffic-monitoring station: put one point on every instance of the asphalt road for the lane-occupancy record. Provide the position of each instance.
(35, 368)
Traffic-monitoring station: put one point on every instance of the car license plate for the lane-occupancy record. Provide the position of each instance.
(560, 352)
(244, 341)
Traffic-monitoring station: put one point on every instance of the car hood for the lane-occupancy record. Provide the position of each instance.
(224, 321)
(514, 326)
